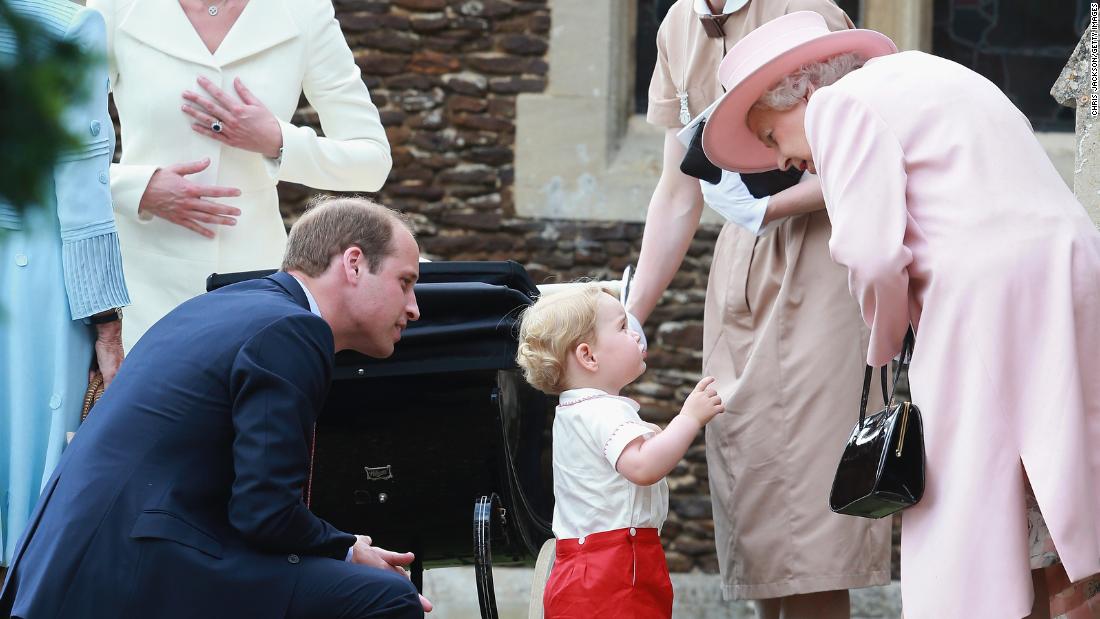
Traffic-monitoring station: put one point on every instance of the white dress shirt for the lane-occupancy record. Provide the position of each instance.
(309, 297)
(591, 429)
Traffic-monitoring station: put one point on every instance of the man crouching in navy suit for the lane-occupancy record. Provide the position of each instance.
(181, 496)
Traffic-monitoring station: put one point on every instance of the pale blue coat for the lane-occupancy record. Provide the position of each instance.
(59, 263)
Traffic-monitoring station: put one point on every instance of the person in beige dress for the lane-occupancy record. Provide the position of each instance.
(782, 335)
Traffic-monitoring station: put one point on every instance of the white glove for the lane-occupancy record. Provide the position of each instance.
(732, 200)
(635, 326)
(632, 321)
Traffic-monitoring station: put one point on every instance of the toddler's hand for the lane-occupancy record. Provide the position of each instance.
(703, 403)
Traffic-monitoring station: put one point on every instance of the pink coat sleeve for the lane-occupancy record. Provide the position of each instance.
(862, 171)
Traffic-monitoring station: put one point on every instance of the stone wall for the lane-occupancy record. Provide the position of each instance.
(445, 75)
(1074, 89)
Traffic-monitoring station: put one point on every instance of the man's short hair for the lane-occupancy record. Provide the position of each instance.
(331, 225)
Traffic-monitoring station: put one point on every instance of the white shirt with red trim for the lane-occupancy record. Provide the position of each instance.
(591, 429)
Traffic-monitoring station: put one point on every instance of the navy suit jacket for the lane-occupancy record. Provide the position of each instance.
(181, 495)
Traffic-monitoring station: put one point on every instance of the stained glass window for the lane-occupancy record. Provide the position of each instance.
(1019, 45)
(650, 14)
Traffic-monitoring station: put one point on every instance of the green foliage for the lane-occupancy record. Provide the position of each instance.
(36, 83)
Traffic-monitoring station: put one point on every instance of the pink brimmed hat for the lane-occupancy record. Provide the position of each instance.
(758, 62)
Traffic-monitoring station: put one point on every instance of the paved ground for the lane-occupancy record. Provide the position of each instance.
(697, 596)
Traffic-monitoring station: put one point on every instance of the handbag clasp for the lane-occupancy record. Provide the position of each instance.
(904, 425)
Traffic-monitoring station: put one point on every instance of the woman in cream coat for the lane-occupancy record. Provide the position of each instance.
(191, 201)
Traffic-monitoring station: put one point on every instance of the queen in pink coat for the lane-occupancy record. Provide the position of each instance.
(950, 217)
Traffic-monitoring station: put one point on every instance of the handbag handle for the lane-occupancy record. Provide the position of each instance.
(887, 397)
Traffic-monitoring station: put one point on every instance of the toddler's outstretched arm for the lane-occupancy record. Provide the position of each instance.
(646, 462)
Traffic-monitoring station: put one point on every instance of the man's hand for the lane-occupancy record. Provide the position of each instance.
(364, 553)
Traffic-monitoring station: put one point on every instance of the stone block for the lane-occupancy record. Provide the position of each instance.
(1072, 88)
(466, 83)
(428, 23)
(415, 190)
(371, 6)
(397, 135)
(470, 25)
(434, 161)
(677, 562)
(495, 63)
(703, 529)
(421, 5)
(437, 141)
(392, 117)
(473, 221)
(462, 103)
(502, 107)
(488, 202)
(523, 7)
(401, 156)
(433, 63)
(411, 81)
(682, 483)
(470, 174)
(381, 63)
(469, 191)
(352, 23)
(419, 101)
(694, 547)
(467, 138)
(540, 23)
(515, 84)
(440, 44)
(514, 25)
(691, 507)
(411, 173)
(490, 155)
(525, 45)
(681, 334)
(482, 8)
(483, 122)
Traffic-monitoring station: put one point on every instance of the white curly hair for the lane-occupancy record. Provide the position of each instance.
(791, 89)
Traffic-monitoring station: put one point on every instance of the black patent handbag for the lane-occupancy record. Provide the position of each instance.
(882, 468)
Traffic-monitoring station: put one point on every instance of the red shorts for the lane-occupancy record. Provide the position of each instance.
(620, 573)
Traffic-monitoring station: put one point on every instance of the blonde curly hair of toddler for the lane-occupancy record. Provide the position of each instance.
(551, 329)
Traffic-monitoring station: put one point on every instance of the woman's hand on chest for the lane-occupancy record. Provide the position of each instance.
(239, 120)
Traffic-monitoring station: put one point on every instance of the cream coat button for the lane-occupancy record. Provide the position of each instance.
(580, 540)
(94, 128)
(55, 401)
(633, 531)
(21, 260)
